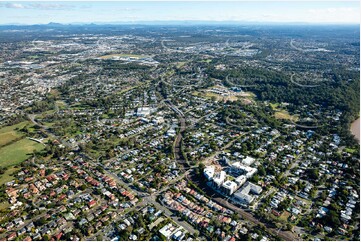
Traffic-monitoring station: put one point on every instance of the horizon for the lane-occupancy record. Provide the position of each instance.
(186, 23)
(119, 12)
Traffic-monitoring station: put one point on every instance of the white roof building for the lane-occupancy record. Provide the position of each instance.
(248, 161)
(241, 180)
(209, 172)
(167, 230)
(243, 195)
(229, 187)
(171, 132)
(144, 111)
(247, 170)
(219, 178)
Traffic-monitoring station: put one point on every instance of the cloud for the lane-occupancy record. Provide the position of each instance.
(50, 6)
(40, 6)
(14, 5)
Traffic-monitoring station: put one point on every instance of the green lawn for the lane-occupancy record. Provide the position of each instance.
(350, 150)
(125, 89)
(60, 104)
(8, 133)
(284, 216)
(6, 177)
(281, 113)
(17, 152)
(180, 64)
(4, 205)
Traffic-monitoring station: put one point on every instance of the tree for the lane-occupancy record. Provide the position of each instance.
(332, 219)
(289, 227)
(261, 170)
(313, 173)
(313, 192)
(46, 237)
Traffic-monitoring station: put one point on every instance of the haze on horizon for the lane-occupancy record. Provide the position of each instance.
(29, 12)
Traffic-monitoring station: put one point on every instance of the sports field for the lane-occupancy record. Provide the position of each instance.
(17, 152)
(14, 146)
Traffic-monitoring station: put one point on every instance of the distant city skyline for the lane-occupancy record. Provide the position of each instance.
(43, 12)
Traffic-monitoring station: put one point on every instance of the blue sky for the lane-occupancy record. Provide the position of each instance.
(30, 12)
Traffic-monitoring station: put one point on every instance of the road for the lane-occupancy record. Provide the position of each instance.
(178, 155)
(170, 215)
(47, 130)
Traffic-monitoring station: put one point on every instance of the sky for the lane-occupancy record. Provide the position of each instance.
(43, 12)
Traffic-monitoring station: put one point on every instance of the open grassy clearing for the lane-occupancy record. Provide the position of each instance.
(9, 133)
(281, 113)
(122, 55)
(350, 150)
(79, 106)
(284, 216)
(125, 89)
(247, 97)
(6, 177)
(13, 127)
(61, 104)
(8, 137)
(17, 152)
(220, 97)
(44, 114)
(285, 115)
(180, 64)
(47, 124)
(4, 205)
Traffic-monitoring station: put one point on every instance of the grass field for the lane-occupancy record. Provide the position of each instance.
(247, 97)
(280, 113)
(349, 150)
(284, 115)
(8, 133)
(284, 216)
(17, 152)
(4, 205)
(61, 104)
(220, 97)
(180, 64)
(6, 177)
(125, 89)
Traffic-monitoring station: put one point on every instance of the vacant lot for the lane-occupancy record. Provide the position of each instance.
(18, 151)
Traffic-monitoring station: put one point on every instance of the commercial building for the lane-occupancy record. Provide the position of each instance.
(209, 172)
(229, 187)
(248, 171)
(244, 194)
(219, 178)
